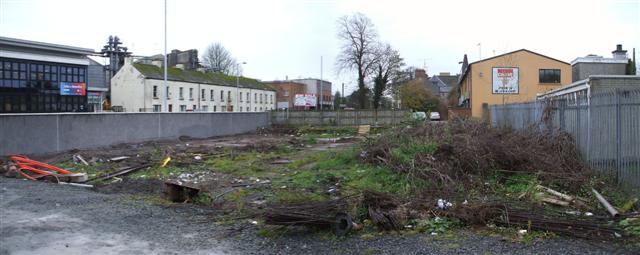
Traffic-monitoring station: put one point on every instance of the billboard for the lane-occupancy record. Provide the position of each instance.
(73, 88)
(505, 80)
(305, 100)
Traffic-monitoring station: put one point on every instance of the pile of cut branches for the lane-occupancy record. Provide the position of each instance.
(469, 151)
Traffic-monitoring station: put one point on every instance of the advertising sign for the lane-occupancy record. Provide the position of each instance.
(505, 80)
(305, 100)
(73, 88)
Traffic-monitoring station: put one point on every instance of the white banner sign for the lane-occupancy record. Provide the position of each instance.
(505, 80)
(305, 100)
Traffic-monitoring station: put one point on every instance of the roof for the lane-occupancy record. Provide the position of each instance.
(466, 70)
(176, 74)
(582, 84)
(45, 46)
(448, 80)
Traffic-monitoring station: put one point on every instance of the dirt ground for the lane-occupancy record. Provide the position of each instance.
(45, 218)
(130, 216)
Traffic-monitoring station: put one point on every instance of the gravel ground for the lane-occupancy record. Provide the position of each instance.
(44, 218)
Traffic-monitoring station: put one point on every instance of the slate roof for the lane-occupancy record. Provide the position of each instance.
(177, 74)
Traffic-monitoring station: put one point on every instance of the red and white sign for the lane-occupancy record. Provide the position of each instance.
(305, 100)
(505, 80)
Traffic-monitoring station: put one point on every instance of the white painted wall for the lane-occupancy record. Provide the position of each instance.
(132, 91)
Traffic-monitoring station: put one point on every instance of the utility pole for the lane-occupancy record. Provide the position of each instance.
(343, 97)
(321, 84)
(166, 88)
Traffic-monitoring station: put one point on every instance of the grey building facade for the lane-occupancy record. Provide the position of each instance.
(583, 67)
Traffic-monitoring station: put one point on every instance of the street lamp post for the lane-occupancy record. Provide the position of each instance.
(238, 89)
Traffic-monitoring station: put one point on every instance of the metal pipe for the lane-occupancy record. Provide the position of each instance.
(606, 204)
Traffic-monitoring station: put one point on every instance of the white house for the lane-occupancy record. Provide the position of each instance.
(140, 88)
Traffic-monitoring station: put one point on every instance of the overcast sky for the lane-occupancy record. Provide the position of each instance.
(279, 38)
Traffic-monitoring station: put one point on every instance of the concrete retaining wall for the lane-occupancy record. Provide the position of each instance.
(338, 118)
(55, 132)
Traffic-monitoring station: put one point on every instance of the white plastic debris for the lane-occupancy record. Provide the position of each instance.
(253, 222)
(197, 157)
(588, 214)
(441, 203)
(616, 234)
(522, 231)
(434, 233)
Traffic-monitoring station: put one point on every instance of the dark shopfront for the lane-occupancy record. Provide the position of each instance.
(35, 86)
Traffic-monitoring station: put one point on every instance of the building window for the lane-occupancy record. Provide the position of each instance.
(260, 108)
(549, 75)
(190, 93)
(223, 108)
(240, 108)
(240, 97)
(260, 99)
(167, 92)
(255, 109)
(248, 99)
(229, 96)
(157, 108)
(286, 93)
(215, 108)
(170, 108)
(202, 95)
(212, 96)
(222, 96)
(194, 108)
(255, 98)
(181, 93)
(155, 91)
(271, 99)
(183, 107)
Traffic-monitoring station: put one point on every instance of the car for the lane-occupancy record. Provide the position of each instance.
(434, 116)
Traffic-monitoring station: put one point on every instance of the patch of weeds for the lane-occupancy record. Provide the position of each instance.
(270, 231)
(515, 184)
(90, 170)
(408, 151)
(294, 196)
(158, 172)
(436, 225)
(630, 226)
(203, 198)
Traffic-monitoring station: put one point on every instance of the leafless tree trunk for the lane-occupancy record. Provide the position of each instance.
(386, 68)
(359, 38)
(218, 59)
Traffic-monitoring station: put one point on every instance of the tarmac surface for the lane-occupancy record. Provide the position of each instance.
(46, 218)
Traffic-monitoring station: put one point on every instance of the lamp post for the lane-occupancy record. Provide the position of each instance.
(238, 89)
(166, 89)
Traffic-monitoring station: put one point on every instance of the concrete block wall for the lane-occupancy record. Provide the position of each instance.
(56, 132)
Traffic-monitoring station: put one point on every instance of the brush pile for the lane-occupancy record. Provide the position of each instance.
(468, 151)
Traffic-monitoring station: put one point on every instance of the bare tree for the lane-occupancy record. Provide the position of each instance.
(358, 52)
(387, 68)
(217, 58)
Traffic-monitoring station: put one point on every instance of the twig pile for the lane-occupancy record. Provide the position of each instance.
(469, 151)
(315, 213)
(384, 210)
(594, 228)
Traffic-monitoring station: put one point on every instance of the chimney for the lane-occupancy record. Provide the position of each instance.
(445, 74)
(421, 74)
(619, 53)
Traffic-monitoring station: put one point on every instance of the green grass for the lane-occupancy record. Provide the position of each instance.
(343, 167)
